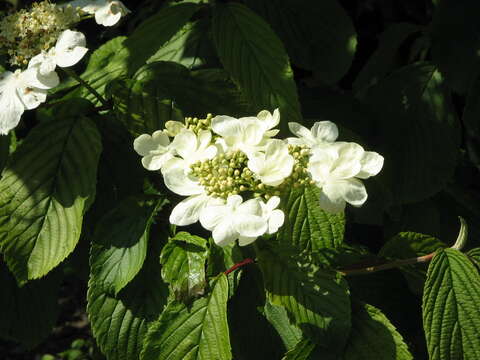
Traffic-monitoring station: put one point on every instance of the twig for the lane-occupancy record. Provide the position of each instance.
(239, 265)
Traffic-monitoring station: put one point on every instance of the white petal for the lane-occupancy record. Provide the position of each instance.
(70, 48)
(185, 143)
(325, 131)
(299, 130)
(372, 163)
(246, 240)
(275, 221)
(44, 62)
(175, 176)
(213, 215)
(188, 210)
(32, 97)
(107, 15)
(226, 126)
(348, 163)
(352, 191)
(155, 162)
(11, 106)
(174, 127)
(331, 201)
(250, 225)
(224, 233)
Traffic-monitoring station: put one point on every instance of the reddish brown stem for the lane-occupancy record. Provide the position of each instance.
(239, 265)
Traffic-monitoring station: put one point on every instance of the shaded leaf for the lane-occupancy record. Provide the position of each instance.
(302, 351)
(278, 317)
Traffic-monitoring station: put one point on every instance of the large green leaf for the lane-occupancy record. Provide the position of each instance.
(302, 350)
(386, 57)
(120, 243)
(183, 260)
(123, 56)
(199, 331)
(316, 299)
(418, 131)
(409, 244)
(374, 337)
(164, 90)
(256, 59)
(44, 192)
(450, 307)
(306, 225)
(455, 41)
(278, 317)
(318, 35)
(29, 312)
(120, 322)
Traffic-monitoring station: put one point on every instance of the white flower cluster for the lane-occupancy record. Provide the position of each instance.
(39, 39)
(233, 171)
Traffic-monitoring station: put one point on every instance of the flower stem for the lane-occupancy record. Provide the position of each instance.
(387, 266)
(239, 265)
(94, 92)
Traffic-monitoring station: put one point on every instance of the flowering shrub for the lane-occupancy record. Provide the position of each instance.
(132, 163)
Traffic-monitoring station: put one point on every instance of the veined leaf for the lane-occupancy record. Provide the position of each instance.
(316, 299)
(162, 91)
(199, 331)
(183, 260)
(306, 225)
(301, 351)
(29, 312)
(120, 322)
(256, 59)
(318, 35)
(451, 301)
(120, 243)
(278, 317)
(44, 192)
(417, 127)
(374, 337)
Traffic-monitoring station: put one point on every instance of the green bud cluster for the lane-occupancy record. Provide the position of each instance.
(196, 124)
(300, 175)
(27, 33)
(228, 174)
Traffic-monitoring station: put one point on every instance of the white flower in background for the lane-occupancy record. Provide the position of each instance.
(322, 132)
(68, 50)
(274, 164)
(177, 175)
(107, 12)
(234, 220)
(335, 170)
(155, 149)
(269, 121)
(247, 134)
(17, 94)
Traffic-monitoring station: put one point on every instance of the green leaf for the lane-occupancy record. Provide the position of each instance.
(191, 46)
(450, 307)
(29, 312)
(455, 41)
(183, 260)
(256, 59)
(386, 57)
(374, 337)
(164, 90)
(199, 331)
(120, 322)
(417, 128)
(278, 317)
(318, 35)
(306, 225)
(317, 300)
(409, 244)
(302, 350)
(123, 56)
(120, 242)
(474, 256)
(44, 192)
(4, 149)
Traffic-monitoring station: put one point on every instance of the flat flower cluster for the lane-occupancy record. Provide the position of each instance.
(233, 171)
(38, 40)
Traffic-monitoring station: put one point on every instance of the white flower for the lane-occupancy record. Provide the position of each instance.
(107, 12)
(247, 134)
(68, 50)
(321, 132)
(335, 170)
(234, 220)
(273, 216)
(154, 148)
(16, 95)
(176, 174)
(274, 164)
